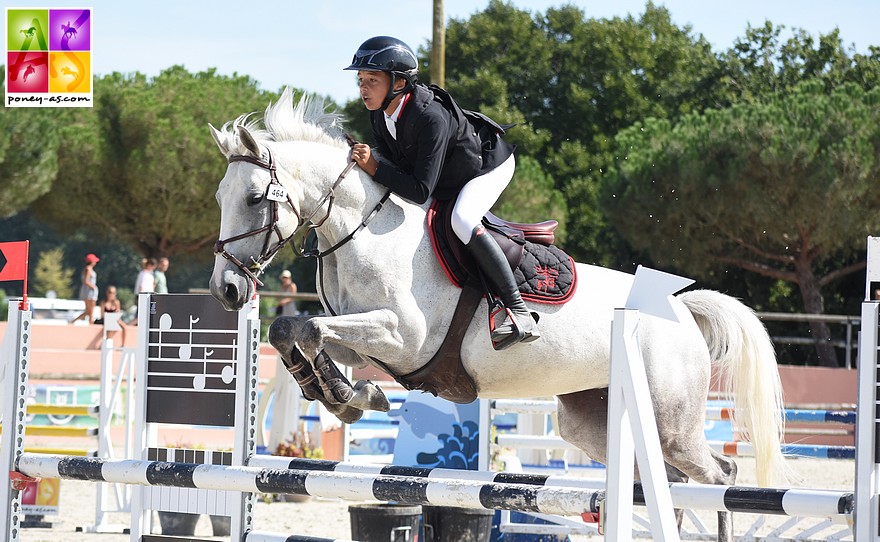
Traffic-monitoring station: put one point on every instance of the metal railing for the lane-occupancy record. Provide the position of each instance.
(299, 296)
(848, 343)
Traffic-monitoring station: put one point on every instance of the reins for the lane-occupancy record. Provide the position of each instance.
(276, 193)
(258, 265)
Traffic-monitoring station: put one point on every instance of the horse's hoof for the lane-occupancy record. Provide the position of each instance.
(350, 415)
(377, 399)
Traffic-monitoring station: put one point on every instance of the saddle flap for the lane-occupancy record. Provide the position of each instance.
(457, 263)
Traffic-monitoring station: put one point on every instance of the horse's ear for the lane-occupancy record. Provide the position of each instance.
(221, 140)
(248, 140)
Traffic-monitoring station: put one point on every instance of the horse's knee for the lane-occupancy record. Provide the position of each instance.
(281, 335)
(345, 356)
(311, 336)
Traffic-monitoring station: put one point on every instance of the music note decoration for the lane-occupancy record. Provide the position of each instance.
(192, 361)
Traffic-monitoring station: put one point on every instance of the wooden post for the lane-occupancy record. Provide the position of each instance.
(438, 46)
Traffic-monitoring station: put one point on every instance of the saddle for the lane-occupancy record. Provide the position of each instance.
(544, 273)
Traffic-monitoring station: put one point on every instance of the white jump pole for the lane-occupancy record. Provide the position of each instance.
(113, 497)
(866, 526)
(15, 355)
(632, 427)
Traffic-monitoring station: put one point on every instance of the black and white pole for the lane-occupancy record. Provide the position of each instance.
(786, 502)
(347, 486)
(558, 495)
(632, 427)
(261, 536)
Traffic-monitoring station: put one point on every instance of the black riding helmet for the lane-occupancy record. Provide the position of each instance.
(387, 54)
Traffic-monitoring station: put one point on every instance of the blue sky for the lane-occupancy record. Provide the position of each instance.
(306, 44)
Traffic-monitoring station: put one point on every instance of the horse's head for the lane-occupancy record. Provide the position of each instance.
(267, 195)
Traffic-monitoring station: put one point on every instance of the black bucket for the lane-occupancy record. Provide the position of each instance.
(221, 525)
(452, 524)
(178, 523)
(384, 522)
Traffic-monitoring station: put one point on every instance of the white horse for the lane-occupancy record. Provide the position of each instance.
(388, 299)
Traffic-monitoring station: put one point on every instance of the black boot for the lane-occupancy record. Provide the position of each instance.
(519, 325)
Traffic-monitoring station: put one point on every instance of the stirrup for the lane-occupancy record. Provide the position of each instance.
(518, 334)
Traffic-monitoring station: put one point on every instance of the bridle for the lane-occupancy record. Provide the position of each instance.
(258, 265)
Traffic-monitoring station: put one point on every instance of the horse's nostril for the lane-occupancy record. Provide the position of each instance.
(231, 292)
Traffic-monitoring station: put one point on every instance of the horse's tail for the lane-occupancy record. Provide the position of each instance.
(741, 348)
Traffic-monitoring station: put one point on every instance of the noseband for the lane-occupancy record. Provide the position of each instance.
(258, 265)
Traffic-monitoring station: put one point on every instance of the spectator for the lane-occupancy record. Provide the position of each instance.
(145, 279)
(111, 304)
(287, 305)
(88, 291)
(161, 285)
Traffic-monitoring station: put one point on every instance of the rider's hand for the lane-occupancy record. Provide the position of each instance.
(362, 154)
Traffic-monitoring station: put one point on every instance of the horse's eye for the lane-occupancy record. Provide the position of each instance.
(255, 199)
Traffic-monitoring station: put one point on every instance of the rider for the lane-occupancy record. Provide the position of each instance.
(436, 150)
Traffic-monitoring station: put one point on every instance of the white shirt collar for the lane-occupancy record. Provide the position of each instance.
(393, 116)
(391, 120)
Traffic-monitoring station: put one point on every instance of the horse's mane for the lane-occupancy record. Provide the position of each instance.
(305, 120)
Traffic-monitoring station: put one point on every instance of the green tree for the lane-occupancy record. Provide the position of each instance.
(785, 189)
(119, 262)
(531, 197)
(576, 81)
(142, 165)
(507, 45)
(607, 73)
(28, 164)
(51, 275)
(761, 63)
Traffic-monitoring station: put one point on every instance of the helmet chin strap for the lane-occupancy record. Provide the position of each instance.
(394, 93)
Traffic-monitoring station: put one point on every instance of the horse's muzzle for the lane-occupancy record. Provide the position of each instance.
(232, 290)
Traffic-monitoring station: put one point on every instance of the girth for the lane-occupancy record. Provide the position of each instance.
(444, 376)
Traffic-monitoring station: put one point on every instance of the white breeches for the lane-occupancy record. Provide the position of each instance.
(478, 196)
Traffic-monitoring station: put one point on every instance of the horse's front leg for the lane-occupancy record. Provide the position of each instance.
(301, 370)
(372, 333)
